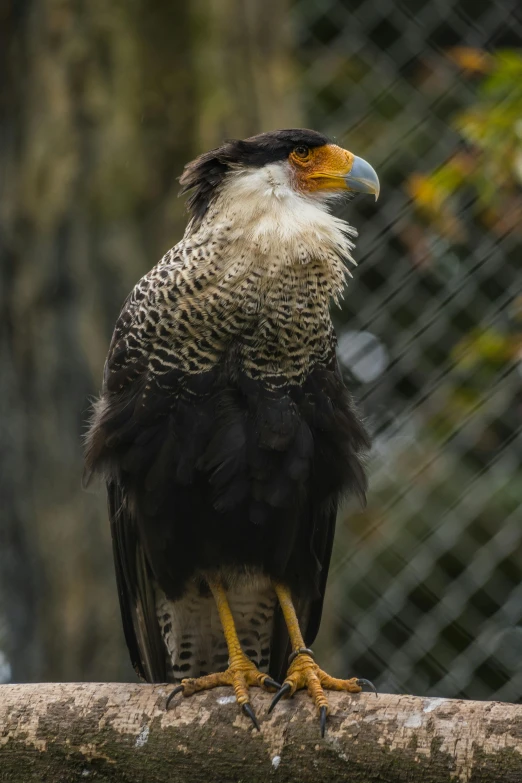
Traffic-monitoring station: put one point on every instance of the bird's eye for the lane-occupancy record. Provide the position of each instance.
(302, 152)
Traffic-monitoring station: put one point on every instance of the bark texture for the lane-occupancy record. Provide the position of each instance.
(106, 732)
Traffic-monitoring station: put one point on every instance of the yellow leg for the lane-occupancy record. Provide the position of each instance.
(303, 672)
(241, 672)
(287, 607)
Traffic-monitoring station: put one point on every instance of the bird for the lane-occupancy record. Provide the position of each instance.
(224, 431)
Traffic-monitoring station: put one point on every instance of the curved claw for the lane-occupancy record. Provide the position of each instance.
(249, 712)
(177, 689)
(285, 688)
(323, 712)
(361, 683)
(271, 683)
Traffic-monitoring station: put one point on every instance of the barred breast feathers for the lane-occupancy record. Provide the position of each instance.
(264, 262)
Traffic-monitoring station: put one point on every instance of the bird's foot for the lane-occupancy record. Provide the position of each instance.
(241, 675)
(303, 672)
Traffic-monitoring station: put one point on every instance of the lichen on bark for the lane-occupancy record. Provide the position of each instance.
(108, 732)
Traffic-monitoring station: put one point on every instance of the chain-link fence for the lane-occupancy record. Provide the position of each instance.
(424, 591)
(102, 104)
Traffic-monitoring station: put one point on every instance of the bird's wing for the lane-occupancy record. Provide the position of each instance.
(308, 610)
(339, 438)
(114, 427)
(136, 592)
(324, 532)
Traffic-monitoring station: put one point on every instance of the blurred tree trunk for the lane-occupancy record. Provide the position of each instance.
(101, 105)
(244, 69)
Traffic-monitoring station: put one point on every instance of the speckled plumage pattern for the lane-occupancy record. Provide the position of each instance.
(193, 634)
(224, 430)
(263, 277)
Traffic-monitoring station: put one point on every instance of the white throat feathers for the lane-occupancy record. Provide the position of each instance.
(259, 217)
(257, 272)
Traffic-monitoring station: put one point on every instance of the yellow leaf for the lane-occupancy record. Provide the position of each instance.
(470, 59)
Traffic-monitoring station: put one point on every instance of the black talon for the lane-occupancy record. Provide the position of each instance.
(177, 689)
(361, 683)
(271, 683)
(285, 688)
(249, 712)
(322, 716)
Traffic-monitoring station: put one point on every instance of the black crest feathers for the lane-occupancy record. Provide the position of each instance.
(204, 175)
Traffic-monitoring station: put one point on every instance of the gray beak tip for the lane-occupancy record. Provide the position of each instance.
(363, 178)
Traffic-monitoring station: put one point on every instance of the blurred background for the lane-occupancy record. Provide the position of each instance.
(101, 104)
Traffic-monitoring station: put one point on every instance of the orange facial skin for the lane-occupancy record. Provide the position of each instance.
(323, 168)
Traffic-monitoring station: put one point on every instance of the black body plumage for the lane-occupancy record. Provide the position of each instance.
(224, 429)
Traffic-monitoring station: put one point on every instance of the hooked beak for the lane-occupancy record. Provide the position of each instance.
(332, 168)
(362, 178)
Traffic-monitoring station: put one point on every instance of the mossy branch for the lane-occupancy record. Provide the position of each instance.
(73, 732)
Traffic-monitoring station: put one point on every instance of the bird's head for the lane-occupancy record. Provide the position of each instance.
(298, 162)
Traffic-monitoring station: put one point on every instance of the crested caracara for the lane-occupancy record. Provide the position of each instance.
(224, 430)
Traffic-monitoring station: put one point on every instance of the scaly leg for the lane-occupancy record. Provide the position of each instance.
(241, 672)
(303, 672)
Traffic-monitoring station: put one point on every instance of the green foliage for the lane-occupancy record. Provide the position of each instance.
(477, 193)
(490, 163)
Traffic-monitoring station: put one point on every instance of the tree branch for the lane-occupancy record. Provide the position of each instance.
(72, 732)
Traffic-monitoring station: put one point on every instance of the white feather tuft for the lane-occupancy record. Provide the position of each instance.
(264, 220)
